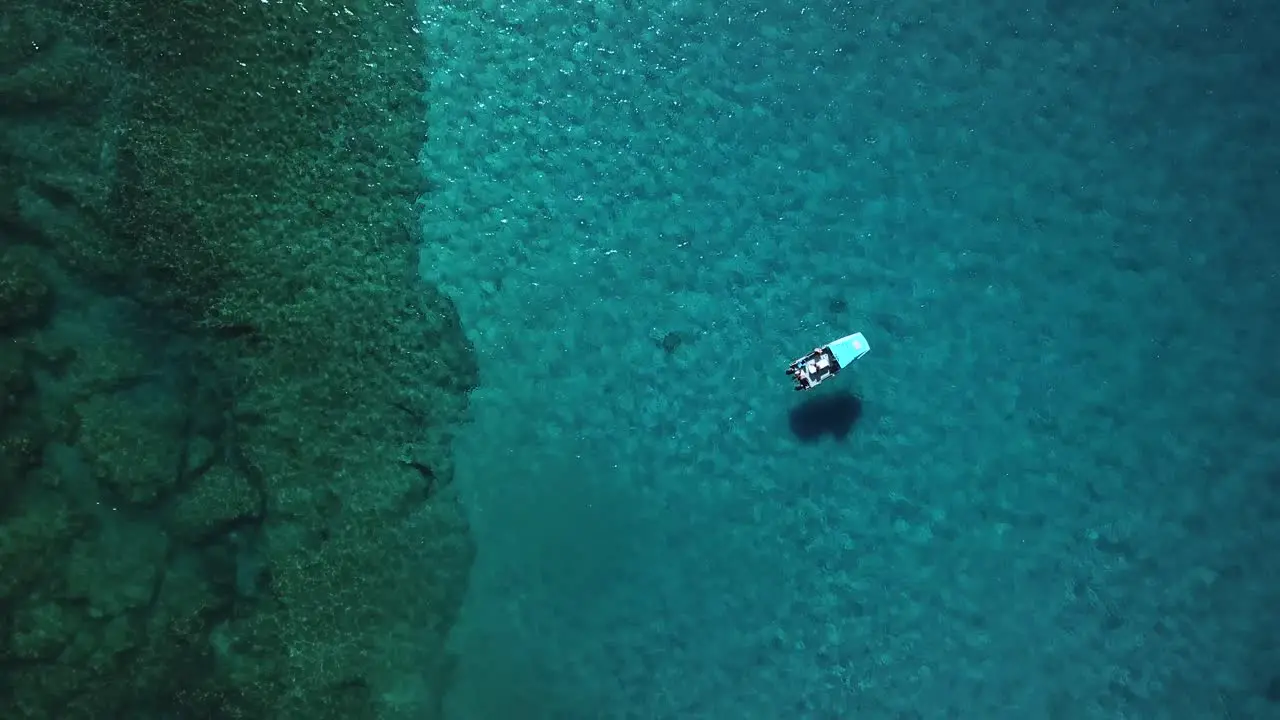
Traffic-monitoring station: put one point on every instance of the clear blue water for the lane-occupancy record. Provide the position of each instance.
(1056, 224)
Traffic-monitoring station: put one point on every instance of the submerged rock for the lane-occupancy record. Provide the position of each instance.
(214, 358)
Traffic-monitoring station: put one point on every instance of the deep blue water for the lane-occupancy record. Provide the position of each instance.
(1057, 225)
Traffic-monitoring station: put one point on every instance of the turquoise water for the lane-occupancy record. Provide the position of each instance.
(1056, 224)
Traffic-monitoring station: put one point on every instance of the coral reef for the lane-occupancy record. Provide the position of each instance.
(226, 401)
